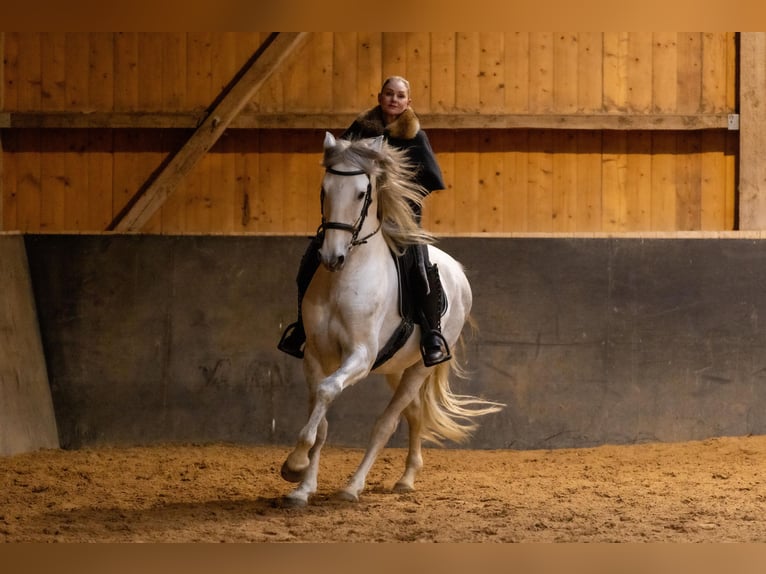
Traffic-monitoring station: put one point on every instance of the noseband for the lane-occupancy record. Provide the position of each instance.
(355, 228)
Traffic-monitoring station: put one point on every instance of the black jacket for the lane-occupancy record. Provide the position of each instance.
(403, 133)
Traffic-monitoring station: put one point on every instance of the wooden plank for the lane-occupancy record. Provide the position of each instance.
(688, 183)
(713, 181)
(249, 120)
(295, 78)
(28, 181)
(100, 159)
(516, 72)
(752, 109)
(714, 72)
(541, 72)
(8, 180)
(439, 208)
(565, 72)
(565, 190)
(174, 61)
(663, 200)
(393, 55)
(467, 97)
(491, 73)
(346, 73)
(125, 72)
(589, 188)
(257, 70)
(516, 181)
(301, 183)
(76, 179)
(199, 87)
(664, 72)
(466, 178)
(613, 178)
(490, 183)
(369, 78)
(54, 81)
(269, 206)
(319, 73)
(616, 71)
(54, 181)
(443, 78)
(418, 70)
(638, 182)
(77, 70)
(9, 72)
(101, 71)
(30, 68)
(590, 72)
(639, 72)
(689, 72)
(540, 182)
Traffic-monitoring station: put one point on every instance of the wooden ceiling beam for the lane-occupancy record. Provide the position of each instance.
(150, 197)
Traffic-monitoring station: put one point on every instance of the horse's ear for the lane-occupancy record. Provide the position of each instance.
(329, 140)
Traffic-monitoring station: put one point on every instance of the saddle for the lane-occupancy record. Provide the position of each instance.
(410, 270)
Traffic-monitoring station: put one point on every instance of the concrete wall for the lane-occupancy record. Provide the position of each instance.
(588, 341)
(27, 421)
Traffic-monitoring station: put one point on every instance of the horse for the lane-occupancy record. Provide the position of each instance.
(350, 311)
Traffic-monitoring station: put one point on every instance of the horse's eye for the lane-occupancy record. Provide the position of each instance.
(360, 196)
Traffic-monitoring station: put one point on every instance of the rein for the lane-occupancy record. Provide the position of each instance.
(355, 228)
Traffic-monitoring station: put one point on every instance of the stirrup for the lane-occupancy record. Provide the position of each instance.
(292, 340)
(437, 352)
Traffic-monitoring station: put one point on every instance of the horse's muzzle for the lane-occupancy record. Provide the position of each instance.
(334, 262)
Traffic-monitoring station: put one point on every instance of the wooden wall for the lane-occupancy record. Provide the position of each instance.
(532, 176)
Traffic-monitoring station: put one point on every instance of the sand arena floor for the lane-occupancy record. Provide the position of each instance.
(708, 491)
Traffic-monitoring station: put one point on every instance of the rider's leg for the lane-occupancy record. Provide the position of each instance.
(294, 336)
(433, 346)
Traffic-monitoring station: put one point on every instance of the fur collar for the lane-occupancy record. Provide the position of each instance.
(405, 127)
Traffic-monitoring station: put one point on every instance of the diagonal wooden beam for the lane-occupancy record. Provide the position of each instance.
(150, 197)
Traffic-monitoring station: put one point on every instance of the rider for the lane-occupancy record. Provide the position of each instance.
(393, 118)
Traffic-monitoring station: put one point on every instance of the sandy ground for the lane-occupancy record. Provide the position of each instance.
(714, 491)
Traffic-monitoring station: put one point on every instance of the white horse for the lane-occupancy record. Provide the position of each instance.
(351, 309)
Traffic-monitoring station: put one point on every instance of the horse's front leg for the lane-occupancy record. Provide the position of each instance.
(302, 462)
(308, 478)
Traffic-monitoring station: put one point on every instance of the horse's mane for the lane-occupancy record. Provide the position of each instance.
(393, 176)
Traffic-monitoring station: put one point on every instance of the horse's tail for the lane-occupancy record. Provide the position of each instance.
(446, 415)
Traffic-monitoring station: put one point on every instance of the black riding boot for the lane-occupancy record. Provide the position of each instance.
(294, 336)
(433, 346)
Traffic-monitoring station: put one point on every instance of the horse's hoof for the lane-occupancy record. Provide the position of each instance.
(291, 475)
(346, 496)
(294, 502)
(402, 488)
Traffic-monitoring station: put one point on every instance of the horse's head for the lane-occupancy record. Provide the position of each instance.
(349, 213)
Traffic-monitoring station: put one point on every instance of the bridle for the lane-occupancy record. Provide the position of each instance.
(355, 228)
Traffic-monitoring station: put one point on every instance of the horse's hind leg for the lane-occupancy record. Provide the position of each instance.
(414, 416)
(384, 427)
(413, 413)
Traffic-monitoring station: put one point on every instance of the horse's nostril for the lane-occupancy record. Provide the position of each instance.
(341, 260)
